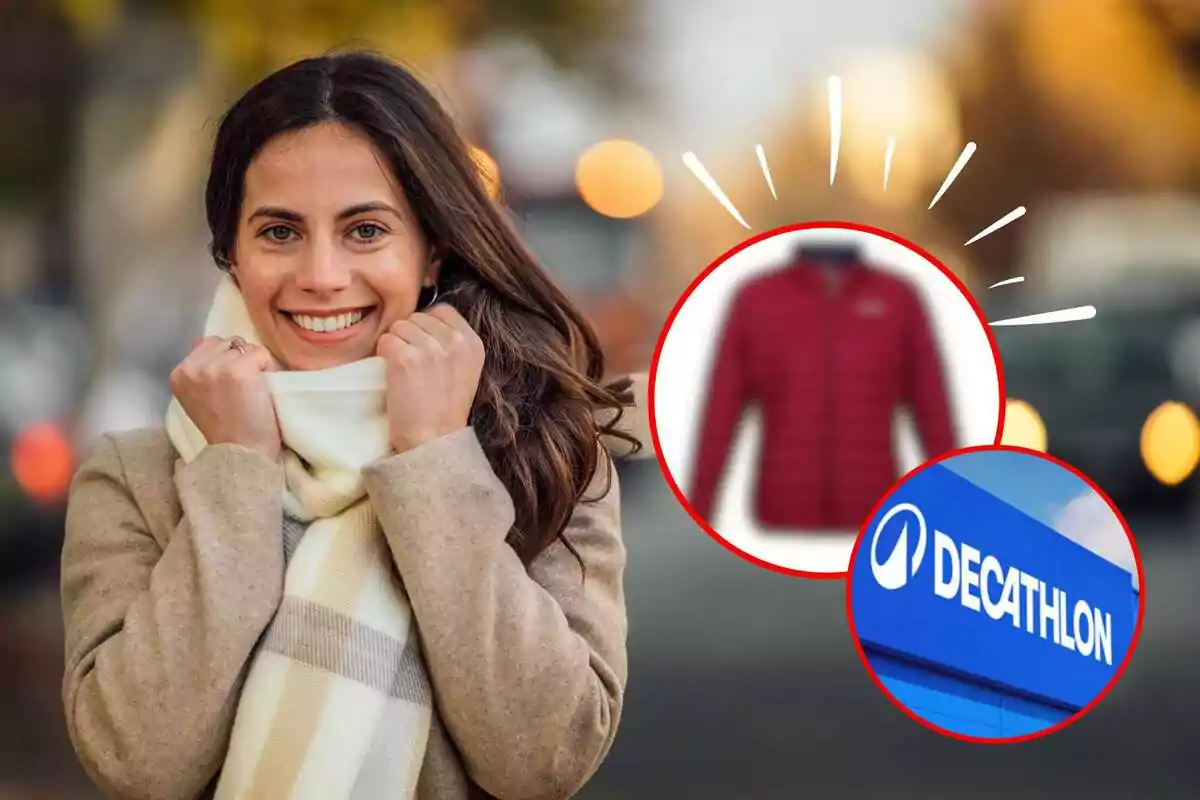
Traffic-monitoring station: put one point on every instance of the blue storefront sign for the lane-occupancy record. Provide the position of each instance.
(951, 577)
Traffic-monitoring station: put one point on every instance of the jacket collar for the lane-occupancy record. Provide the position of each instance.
(811, 272)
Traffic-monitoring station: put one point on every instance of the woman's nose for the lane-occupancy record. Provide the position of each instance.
(322, 269)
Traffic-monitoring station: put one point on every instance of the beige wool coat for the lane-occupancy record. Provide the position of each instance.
(172, 571)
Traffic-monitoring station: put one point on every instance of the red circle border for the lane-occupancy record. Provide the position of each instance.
(1078, 715)
(683, 298)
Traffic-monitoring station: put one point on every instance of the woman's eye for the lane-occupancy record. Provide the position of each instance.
(278, 233)
(368, 231)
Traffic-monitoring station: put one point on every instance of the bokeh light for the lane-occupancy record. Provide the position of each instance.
(902, 94)
(1023, 426)
(1171, 443)
(42, 462)
(619, 178)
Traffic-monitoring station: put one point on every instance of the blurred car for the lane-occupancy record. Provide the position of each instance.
(43, 355)
(1095, 383)
(746, 684)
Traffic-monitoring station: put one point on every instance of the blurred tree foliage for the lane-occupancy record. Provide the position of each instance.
(249, 39)
(1074, 96)
(51, 52)
(41, 90)
(38, 100)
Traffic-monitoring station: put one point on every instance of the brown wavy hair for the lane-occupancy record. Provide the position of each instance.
(541, 406)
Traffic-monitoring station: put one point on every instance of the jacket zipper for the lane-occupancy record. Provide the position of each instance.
(829, 310)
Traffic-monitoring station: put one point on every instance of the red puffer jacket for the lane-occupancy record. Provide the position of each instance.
(827, 354)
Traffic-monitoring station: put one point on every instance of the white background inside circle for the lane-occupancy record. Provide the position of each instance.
(684, 366)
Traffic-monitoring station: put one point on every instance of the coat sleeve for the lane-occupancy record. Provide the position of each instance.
(528, 666)
(926, 384)
(729, 393)
(157, 638)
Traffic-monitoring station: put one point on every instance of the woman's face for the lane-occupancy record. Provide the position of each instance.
(328, 254)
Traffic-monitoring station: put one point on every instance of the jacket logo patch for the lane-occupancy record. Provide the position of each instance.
(871, 308)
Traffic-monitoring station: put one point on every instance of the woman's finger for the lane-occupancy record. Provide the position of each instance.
(464, 336)
(202, 354)
(265, 359)
(214, 347)
(256, 359)
(448, 315)
(226, 358)
(390, 346)
(221, 355)
(446, 335)
(409, 331)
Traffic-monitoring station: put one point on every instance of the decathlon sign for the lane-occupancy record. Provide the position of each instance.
(951, 576)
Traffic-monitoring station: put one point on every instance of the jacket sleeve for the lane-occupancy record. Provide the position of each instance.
(729, 393)
(528, 667)
(925, 383)
(157, 638)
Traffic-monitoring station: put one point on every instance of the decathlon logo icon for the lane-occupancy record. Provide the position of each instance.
(894, 572)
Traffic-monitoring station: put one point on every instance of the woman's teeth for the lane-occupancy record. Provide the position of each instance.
(325, 324)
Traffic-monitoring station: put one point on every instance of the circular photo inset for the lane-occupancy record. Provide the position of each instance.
(801, 374)
(995, 594)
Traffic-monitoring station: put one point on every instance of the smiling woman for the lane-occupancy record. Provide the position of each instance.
(433, 604)
(329, 253)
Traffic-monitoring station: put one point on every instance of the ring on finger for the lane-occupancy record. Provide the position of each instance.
(239, 344)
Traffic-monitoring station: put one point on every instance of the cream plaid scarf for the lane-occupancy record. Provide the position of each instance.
(337, 702)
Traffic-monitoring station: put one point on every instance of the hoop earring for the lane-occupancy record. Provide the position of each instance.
(427, 304)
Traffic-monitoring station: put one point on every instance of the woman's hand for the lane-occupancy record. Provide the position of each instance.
(434, 359)
(225, 393)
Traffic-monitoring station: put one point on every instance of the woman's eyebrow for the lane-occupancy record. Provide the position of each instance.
(275, 213)
(365, 208)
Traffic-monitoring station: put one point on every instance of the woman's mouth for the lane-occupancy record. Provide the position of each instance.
(323, 328)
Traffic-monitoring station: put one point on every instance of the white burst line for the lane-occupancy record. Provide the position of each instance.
(887, 160)
(762, 162)
(1016, 213)
(1049, 317)
(835, 124)
(693, 163)
(1007, 282)
(963, 158)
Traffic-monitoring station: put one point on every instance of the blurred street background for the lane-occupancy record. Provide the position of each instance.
(745, 684)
